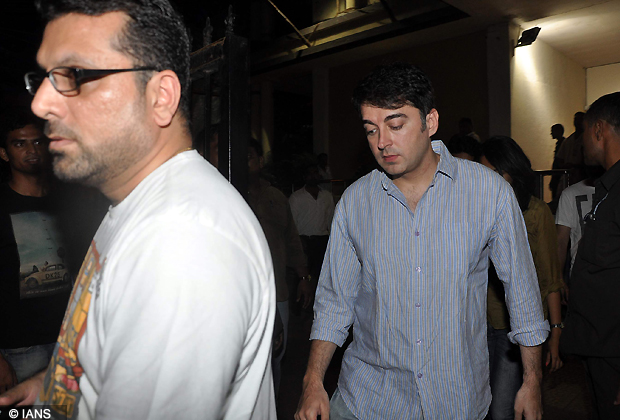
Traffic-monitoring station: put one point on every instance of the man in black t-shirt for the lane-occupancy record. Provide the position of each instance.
(593, 319)
(35, 282)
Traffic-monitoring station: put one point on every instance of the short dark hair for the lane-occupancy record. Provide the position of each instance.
(308, 166)
(465, 144)
(558, 127)
(391, 86)
(16, 119)
(507, 156)
(155, 35)
(606, 108)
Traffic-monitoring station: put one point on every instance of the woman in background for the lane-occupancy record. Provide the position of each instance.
(504, 156)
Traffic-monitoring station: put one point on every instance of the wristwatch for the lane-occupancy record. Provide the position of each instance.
(308, 277)
(560, 325)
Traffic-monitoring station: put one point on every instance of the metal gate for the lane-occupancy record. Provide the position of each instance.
(220, 95)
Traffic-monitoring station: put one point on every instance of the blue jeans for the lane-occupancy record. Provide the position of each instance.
(27, 361)
(338, 410)
(506, 373)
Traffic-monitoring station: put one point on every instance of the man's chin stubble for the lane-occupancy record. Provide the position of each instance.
(66, 170)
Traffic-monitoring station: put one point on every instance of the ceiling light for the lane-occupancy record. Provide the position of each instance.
(528, 37)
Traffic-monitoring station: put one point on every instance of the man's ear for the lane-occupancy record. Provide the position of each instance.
(3, 154)
(432, 122)
(164, 94)
(600, 127)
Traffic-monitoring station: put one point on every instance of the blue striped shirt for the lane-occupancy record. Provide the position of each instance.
(414, 284)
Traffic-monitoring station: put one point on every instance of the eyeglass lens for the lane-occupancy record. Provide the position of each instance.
(33, 81)
(63, 80)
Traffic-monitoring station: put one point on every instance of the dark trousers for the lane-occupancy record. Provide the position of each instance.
(604, 375)
(314, 247)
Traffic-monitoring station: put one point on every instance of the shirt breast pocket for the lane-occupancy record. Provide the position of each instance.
(602, 244)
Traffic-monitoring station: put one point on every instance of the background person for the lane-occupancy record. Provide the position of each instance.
(503, 155)
(31, 308)
(593, 318)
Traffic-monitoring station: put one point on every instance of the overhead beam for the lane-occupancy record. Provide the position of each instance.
(404, 26)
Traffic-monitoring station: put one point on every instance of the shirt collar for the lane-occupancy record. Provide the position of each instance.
(447, 163)
(447, 166)
(609, 178)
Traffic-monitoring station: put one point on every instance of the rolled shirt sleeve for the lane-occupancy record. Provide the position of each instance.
(513, 262)
(338, 285)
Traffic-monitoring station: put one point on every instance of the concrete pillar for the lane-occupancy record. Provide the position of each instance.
(499, 53)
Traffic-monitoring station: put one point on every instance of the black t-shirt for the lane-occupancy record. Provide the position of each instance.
(593, 319)
(35, 277)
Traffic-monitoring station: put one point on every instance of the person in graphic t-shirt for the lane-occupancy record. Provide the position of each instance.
(33, 296)
(575, 202)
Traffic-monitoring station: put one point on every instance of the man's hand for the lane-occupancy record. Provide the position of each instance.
(8, 379)
(314, 401)
(528, 402)
(305, 292)
(24, 393)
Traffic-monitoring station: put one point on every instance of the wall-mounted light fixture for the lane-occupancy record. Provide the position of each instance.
(528, 37)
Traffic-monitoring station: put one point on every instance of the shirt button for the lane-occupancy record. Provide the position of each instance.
(418, 269)
(417, 305)
(420, 375)
(418, 341)
(417, 233)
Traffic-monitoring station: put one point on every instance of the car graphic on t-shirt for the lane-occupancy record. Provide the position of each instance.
(47, 274)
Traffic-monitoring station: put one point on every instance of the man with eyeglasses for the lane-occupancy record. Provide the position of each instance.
(592, 328)
(172, 312)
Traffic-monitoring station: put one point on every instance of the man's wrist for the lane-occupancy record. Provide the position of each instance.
(532, 381)
(312, 378)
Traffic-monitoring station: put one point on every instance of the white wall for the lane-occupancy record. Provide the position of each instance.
(546, 88)
(601, 81)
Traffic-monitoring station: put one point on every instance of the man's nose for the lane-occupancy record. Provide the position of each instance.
(31, 148)
(45, 99)
(385, 139)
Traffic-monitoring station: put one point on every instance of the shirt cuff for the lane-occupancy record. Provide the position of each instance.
(531, 335)
(325, 333)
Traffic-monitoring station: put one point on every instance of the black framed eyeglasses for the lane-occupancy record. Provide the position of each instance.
(69, 79)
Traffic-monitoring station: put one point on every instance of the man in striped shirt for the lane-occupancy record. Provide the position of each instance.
(407, 266)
